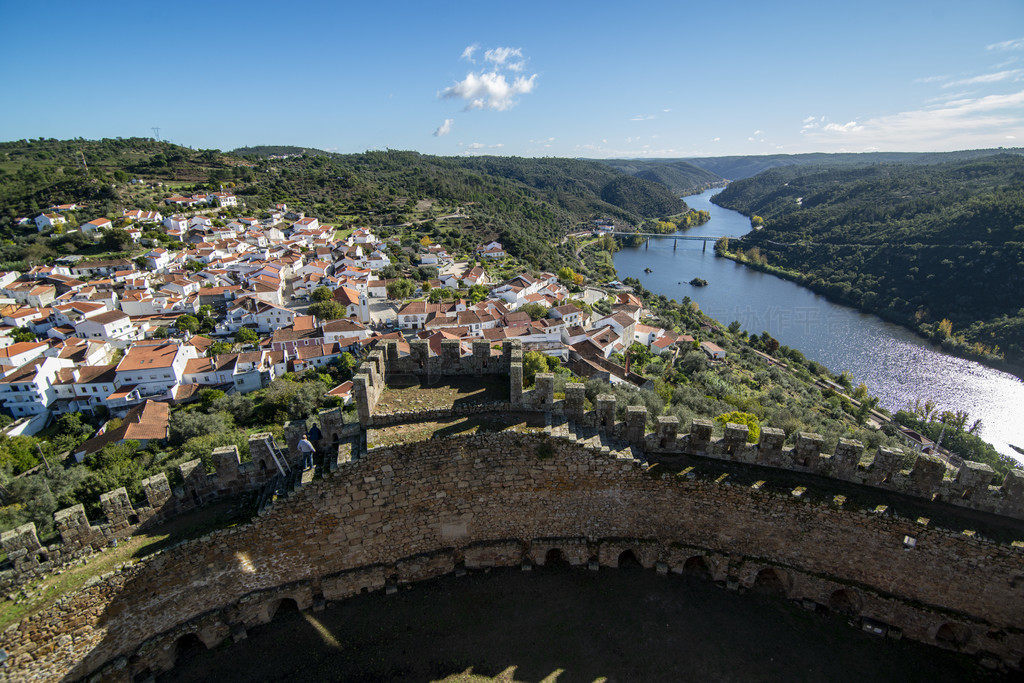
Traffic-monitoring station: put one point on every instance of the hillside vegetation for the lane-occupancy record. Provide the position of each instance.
(528, 204)
(680, 177)
(938, 248)
(36, 174)
(740, 167)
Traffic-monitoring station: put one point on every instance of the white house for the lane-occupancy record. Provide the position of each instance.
(49, 220)
(309, 223)
(154, 369)
(180, 224)
(713, 351)
(17, 354)
(356, 303)
(140, 216)
(112, 326)
(158, 258)
(29, 390)
(223, 198)
(95, 225)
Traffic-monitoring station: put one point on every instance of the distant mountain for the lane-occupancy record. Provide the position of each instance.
(680, 177)
(740, 167)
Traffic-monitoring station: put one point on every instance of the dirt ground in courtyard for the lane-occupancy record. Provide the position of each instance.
(569, 625)
(407, 392)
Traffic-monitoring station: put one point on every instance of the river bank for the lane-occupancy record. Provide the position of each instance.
(895, 363)
(1015, 369)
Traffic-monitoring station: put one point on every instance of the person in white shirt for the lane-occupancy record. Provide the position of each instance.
(307, 450)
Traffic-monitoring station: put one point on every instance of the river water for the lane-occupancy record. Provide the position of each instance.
(897, 366)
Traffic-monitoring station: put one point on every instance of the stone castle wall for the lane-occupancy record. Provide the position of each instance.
(925, 476)
(79, 537)
(417, 511)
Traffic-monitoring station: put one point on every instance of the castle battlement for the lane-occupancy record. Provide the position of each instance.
(415, 511)
(583, 487)
(921, 475)
(79, 537)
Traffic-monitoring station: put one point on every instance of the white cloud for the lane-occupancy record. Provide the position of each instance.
(809, 119)
(969, 123)
(489, 90)
(600, 150)
(750, 139)
(667, 110)
(497, 88)
(715, 139)
(931, 79)
(476, 145)
(758, 132)
(641, 117)
(500, 55)
(1017, 44)
(1011, 137)
(850, 126)
(444, 128)
(985, 78)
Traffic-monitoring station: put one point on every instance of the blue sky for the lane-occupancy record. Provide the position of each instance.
(578, 79)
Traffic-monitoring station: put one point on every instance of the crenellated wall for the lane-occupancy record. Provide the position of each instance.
(79, 537)
(583, 489)
(424, 509)
(926, 476)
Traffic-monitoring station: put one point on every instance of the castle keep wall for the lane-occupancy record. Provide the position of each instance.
(416, 511)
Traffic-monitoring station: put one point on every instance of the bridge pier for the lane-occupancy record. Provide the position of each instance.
(675, 243)
(705, 249)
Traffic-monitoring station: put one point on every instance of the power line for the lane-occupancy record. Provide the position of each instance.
(156, 131)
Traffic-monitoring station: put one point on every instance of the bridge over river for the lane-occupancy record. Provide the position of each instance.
(672, 236)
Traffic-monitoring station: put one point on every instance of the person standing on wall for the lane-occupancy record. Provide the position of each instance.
(307, 450)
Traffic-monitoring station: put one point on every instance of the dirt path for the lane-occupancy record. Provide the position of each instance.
(569, 625)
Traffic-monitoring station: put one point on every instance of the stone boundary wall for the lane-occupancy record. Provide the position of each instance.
(926, 476)
(413, 512)
(79, 537)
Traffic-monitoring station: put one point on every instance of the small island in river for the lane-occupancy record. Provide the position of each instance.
(699, 282)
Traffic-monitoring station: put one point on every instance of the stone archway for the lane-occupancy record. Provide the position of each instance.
(772, 581)
(953, 635)
(845, 601)
(187, 646)
(628, 560)
(698, 567)
(555, 558)
(280, 606)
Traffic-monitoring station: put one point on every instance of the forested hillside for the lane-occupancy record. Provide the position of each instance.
(529, 204)
(36, 174)
(740, 167)
(939, 248)
(680, 177)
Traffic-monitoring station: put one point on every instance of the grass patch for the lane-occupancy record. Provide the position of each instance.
(405, 393)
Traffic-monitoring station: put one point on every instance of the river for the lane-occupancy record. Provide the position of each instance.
(897, 366)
